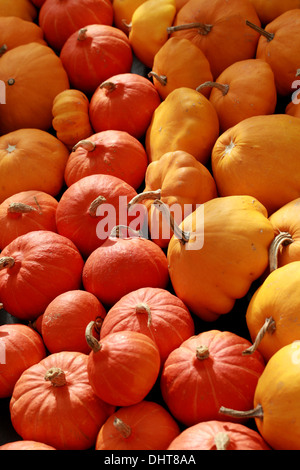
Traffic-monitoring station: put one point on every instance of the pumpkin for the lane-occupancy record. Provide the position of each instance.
(38, 3)
(59, 19)
(154, 312)
(279, 46)
(124, 102)
(24, 9)
(121, 265)
(247, 79)
(276, 403)
(95, 53)
(34, 269)
(70, 117)
(170, 68)
(33, 75)
(243, 155)
(25, 212)
(268, 11)
(217, 28)
(43, 159)
(65, 319)
(185, 120)
(217, 252)
(111, 152)
(179, 181)
(25, 445)
(218, 435)
(292, 108)
(122, 367)
(15, 31)
(20, 348)
(123, 11)
(148, 28)
(57, 392)
(273, 312)
(90, 208)
(131, 428)
(206, 371)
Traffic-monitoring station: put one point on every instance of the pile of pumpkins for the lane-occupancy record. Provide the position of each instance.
(149, 204)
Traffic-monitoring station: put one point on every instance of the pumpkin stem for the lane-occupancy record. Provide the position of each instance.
(95, 204)
(122, 427)
(85, 144)
(222, 87)
(90, 339)
(182, 235)
(127, 25)
(11, 81)
(3, 49)
(144, 196)
(162, 79)
(202, 27)
(297, 73)
(56, 376)
(261, 31)
(222, 440)
(202, 352)
(82, 34)
(6, 262)
(282, 239)
(269, 326)
(20, 208)
(110, 86)
(144, 308)
(116, 231)
(256, 412)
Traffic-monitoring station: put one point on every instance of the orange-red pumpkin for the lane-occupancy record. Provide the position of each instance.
(15, 31)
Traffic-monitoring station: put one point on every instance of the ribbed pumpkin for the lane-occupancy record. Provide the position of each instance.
(35, 268)
(154, 312)
(20, 348)
(15, 31)
(24, 9)
(132, 428)
(33, 75)
(57, 392)
(111, 152)
(24, 212)
(206, 371)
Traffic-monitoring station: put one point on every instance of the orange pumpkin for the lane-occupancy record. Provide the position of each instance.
(15, 31)
(244, 155)
(185, 120)
(171, 68)
(244, 89)
(24, 9)
(268, 11)
(123, 11)
(33, 75)
(293, 108)
(43, 157)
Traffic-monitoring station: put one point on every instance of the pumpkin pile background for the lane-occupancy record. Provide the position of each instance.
(110, 99)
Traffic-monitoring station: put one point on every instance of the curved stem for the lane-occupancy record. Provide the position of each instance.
(269, 326)
(122, 427)
(222, 87)
(6, 262)
(90, 339)
(95, 204)
(128, 26)
(56, 376)
(144, 308)
(85, 144)
(182, 235)
(20, 208)
(110, 86)
(162, 79)
(256, 412)
(116, 231)
(202, 27)
(260, 30)
(82, 34)
(222, 441)
(144, 196)
(282, 239)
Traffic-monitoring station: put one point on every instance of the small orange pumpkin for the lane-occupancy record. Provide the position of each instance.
(15, 31)
(24, 9)
(268, 11)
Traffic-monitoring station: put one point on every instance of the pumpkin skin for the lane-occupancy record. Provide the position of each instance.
(148, 28)
(70, 117)
(241, 156)
(123, 367)
(275, 299)
(22, 347)
(185, 120)
(124, 102)
(25, 212)
(43, 158)
(34, 75)
(121, 265)
(268, 11)
(292, 108)
(68, 414)
(20, 8)
(26, 445)
(38, 3)
(231, 91)
(94, 54)
(82, 211)
(111, 152)
(199, 269)
(131, 428)
(223, 26)
(123, 11)
(15, 31)
(170, 70)
(218, 435)
(183, 183)
(200, 364)
(65, 319)
(35, 268)
(69, 16)
(154, 312)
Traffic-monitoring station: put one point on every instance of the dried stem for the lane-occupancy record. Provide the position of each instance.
(90, 339)
(182, 235)
(162, 79)
(6, 262)
(56, 376)
(85, 144)
(144, 308)
(256, 412)
(122, 427)
(201, 27)
(222, 87)
(269, 326)
(95, 204)
(263, 32)
(144, 196)
(282, 239)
